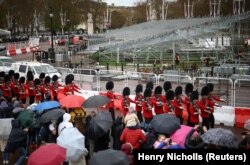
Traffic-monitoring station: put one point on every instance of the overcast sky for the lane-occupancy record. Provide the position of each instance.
(125, 2)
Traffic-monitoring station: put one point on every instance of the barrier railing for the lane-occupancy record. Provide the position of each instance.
(223, 87)
(241, 93)
(236, 92)
(135, 78)
(119, 78)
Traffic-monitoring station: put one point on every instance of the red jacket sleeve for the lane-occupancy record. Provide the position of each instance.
(216, 98)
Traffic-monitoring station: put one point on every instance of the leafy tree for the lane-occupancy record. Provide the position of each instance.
(118, 19)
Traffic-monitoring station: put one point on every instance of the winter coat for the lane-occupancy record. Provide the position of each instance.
(116, 133)
(102, 143)
(133, 136)
(17, 137)
(65, 123)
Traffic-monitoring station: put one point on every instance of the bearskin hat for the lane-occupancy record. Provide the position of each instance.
(126, 91)
(16, 76)
(11, 73)
(158, 90)
(109, 85)
(210, 87)
(167, 86)
(29, 73)
(178, 91)
(30, 77)
(189, 88)
(37, 81)
(68, 80)
(55, 78)
(2, 74)
(148, 92)
(150, 85)
(170, 95)
(194, 96)
(42, 75)
(72, 77)
(6, 78)
(22, 80)
(47, 79)
(204, 91)
(139, 88)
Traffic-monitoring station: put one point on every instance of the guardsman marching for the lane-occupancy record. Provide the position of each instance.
(169, 102)
(54, 87)
(15, 86)
(111, 96)
(68, 90)
(6, 87)
(158, 100)
(126, 100)
(139, 101)
(205, 109)
(30, 87)
(22, 90)
(38, 90)
(46, 95)
(188, 91)
(211, 103)
(178, 103)
(194, 109)
(147, 106)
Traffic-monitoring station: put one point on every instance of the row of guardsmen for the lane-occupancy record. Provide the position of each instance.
(173, 102)
(35, 90)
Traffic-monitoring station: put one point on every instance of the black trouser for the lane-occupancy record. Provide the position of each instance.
(139, 115)
(148, 120)
(181, 119)
(111, 110)
(188, 120)
(211, 120)
(205, 122)
(55, 98)
(32, 99)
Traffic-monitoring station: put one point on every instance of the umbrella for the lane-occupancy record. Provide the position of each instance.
(51, 115)
(48, 154)
(5, 128)
(47, 105)
(96, 101)
(73, 141)
(179, 136)
(32, 106)
(72, 101)
(247, 124)
(220, 137)
(99, 125)
(165, 123)
(26, 118)
(109, 157)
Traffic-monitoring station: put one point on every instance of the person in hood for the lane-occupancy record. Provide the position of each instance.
(127, 149)
(17, 141)
(17, 109)
(65, 123)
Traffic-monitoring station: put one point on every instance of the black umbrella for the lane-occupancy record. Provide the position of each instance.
(99, 125)
(51, 115)
(220, 137)
(109, 157)
(96, 101)
(165, 123)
